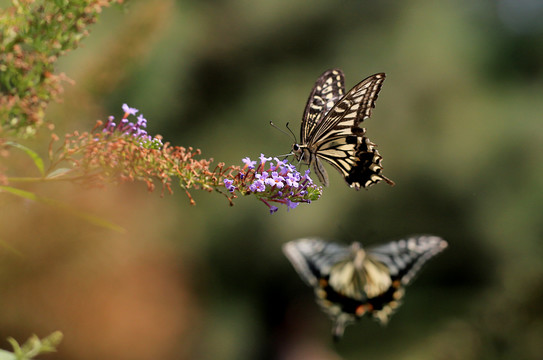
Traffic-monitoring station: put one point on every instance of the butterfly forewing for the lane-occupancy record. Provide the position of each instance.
(313, 258)
(350, 281)
(350, 111)
(404, 258)
(328, 89)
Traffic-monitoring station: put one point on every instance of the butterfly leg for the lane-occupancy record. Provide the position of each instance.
(319, 170)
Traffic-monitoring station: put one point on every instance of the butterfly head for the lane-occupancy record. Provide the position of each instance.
(297, 151)
(301, 152)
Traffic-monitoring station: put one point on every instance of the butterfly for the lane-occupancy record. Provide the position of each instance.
(330, 130)
(350, 281)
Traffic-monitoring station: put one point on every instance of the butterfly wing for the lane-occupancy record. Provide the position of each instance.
(313, 258)
(328, 89)
(339, 140)
(404, 258)
(350, 282)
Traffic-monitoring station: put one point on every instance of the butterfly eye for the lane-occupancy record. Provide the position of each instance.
(295, 147)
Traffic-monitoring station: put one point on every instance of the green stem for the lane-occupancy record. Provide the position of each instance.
(27, 179)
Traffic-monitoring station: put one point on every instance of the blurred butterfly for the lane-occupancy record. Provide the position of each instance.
(330, 130)
(350, 282)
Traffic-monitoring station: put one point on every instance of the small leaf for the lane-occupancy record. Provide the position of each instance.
(51, 342)
(32, 154)
(21, 193)
(6, 355)
(32, 347)
(17, 351)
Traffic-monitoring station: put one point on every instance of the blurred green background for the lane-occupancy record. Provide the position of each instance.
(458, 123)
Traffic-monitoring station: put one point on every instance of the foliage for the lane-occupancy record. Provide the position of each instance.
(33, 347)
(113, 153)
(33, 34)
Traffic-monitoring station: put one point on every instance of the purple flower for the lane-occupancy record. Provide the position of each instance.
(306, 177)
(263, 159)
(257, 186)
(109, 126)
(128, 110)
(229, 185)
(273, 209)
(291, 204)
(142, 122)
(261, 176)
(250, 164)
(127, 128)
(280, 162)
(279, 182)
(291, 180)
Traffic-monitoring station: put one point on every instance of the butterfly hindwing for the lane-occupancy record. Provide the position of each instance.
(350, 281)
(330, 130)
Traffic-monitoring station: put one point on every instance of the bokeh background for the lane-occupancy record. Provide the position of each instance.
(458, 123)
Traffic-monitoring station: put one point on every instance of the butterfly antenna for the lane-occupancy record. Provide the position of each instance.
(284, 132)
(294, 136)
(275, 126)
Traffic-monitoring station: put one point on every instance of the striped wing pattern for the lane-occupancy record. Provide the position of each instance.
(350, 111)
(333, 134)
(328, 89)
(350, 282)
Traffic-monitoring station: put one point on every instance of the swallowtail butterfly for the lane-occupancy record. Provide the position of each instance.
(350, 281)
(330, 130)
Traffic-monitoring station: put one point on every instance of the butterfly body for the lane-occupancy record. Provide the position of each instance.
(350, 282)
(330, 130)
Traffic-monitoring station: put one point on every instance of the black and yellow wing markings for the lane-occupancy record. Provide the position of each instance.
(350, 282)
(330, 130)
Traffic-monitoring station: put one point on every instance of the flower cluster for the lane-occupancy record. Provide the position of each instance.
(136, 130)
(125, 152)
(279, 183)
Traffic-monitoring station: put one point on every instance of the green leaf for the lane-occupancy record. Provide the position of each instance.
(63, 208)
(17, 351)
(6, 355)
(50, 342)
(31, 153)
(32, 347)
